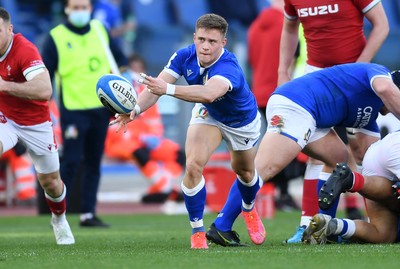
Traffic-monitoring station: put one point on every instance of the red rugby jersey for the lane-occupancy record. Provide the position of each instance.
(21, 58)
(333, 28)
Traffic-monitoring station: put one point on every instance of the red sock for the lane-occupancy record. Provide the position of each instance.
(358, 182)
(309, 205)
(57, 205)
(57, 208)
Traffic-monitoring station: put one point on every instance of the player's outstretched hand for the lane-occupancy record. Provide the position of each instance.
(122, 120)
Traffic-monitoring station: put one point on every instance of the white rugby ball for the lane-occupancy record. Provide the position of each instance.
(116, 93)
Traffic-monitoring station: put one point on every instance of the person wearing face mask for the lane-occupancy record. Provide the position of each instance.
(75, 54)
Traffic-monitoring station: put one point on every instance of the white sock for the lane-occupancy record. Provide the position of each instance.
(58, 218)
(346, 228)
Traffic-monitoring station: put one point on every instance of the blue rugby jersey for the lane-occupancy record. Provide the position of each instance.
(238, 106)
(341, 95)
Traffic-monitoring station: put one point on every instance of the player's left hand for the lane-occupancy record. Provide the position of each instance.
(396, 189)
(155, 86)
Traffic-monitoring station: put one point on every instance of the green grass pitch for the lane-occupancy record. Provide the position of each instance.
(160, 241)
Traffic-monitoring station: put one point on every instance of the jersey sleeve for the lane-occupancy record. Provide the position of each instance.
(366, 5)
(30, 61)
(229, 72)
(289, 11)
(176, 62)
(378, 71)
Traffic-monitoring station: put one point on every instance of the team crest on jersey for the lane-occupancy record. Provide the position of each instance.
(202, 113)
(8, 70)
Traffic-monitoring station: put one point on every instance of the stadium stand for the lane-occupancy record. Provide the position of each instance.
(157, 35)
(187, 12)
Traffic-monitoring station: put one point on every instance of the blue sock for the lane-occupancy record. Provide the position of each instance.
(195, 207)
(231, 209)
(249, 192)
(332, 210)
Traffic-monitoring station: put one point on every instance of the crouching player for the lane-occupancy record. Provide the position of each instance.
(379, 184)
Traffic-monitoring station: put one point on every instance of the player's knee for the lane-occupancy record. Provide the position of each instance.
(193, 169)
(50, 182)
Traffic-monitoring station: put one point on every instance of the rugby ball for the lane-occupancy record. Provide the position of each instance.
(116, 93)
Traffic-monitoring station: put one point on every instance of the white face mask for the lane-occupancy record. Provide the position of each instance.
(79, 18)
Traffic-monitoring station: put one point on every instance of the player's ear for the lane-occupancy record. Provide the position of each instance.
(225, 41)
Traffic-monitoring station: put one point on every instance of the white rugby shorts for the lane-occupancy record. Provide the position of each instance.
(242, 138)
(290, 119)
(383, 158)
(39, 140)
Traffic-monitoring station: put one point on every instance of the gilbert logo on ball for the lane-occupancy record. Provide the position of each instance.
(116, 93)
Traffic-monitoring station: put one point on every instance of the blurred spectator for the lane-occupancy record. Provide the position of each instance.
(21, 170)
(110, 13)
(235, 11)
(159, 159)
(76, 51)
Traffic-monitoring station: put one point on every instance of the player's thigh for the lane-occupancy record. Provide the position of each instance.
(243, 162)
(201, 141)
(42, 147)
(8, 137)
(275, 152)
(329, 148)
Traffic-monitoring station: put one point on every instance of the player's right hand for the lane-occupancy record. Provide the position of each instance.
(122, 120)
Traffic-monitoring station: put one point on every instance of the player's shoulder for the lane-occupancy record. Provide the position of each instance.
(23, 45)
(19, 39)
(228, 57)
(375, 69)
(187, 52)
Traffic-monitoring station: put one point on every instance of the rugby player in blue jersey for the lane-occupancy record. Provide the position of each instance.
(225, 109)
(302, 112)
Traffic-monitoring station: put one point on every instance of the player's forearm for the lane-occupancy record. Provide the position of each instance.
(146, 100)
(374, 43)
(196, 94)
(289, 41)
(39, 88)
